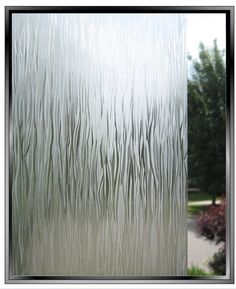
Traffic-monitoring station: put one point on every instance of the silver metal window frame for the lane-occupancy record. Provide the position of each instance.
(229, 12)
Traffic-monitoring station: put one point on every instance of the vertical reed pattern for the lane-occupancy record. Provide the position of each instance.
(99, 145)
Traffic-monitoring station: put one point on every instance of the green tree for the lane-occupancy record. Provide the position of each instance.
(206, 121)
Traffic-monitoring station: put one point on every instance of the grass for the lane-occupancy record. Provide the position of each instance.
(193, 209)
(197, 271)
(198, 196)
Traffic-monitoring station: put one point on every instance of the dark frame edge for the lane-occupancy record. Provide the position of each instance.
(230, 216)
(7, 131)
(118, 9)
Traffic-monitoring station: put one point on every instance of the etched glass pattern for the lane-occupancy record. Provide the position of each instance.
(98, 145)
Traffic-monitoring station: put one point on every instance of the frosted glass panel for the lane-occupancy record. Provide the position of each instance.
(99, 145)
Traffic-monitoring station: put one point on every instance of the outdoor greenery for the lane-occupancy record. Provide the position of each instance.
(206, 122)
(198, 196)
(211, 225)
(218, 262)
(206, 139)
(194, 210)
(197, 271)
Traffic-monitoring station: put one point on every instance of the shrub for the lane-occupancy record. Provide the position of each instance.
(218, 261)
(211, 225)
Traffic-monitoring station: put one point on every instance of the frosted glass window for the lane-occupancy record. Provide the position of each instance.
(99, 145)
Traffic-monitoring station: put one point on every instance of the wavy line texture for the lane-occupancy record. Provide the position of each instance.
(99, 145)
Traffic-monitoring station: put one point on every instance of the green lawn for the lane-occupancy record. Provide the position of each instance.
(198, 196)
(194, 210)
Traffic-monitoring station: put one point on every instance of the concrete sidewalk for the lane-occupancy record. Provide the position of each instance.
(202, 203)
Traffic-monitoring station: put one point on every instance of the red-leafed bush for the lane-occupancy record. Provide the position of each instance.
(211, 223)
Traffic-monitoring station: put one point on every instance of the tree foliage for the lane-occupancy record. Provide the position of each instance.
(206, 121)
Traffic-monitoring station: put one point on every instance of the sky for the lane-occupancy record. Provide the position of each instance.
(205, 27)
